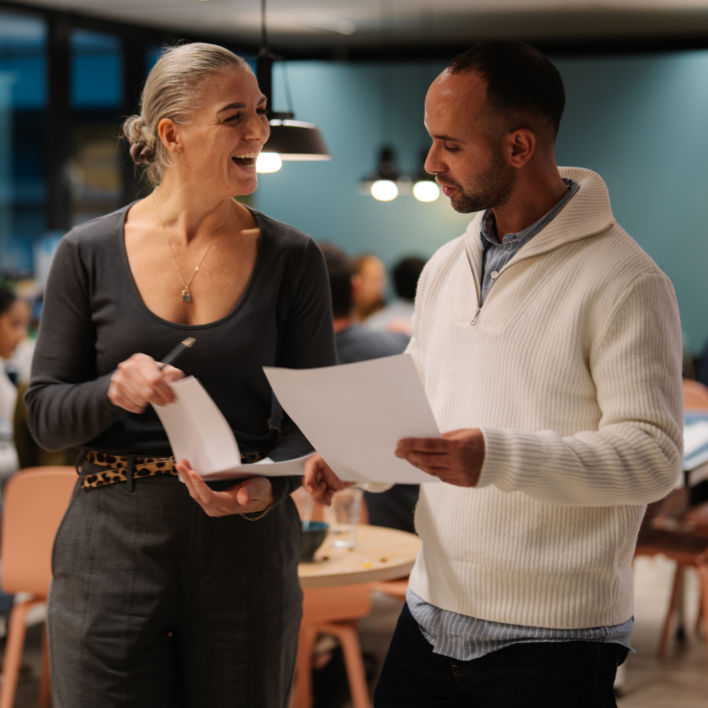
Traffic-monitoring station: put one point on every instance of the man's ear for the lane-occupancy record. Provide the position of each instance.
(520, 146)
(168, 132)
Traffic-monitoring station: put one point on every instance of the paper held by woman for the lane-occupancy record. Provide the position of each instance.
(198, 432)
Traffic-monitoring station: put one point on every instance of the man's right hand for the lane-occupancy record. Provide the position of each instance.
(320, 481)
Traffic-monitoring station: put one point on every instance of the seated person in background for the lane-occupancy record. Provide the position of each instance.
(14, 325)
(393, 508)
(14, 318)
(396, 315)
(370, 276)
(353, 342)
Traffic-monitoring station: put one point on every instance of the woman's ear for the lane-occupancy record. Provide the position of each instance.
(169, 135)
(520, 146)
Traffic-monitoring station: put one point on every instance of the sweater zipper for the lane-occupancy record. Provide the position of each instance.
(475, 318)
(478, 287)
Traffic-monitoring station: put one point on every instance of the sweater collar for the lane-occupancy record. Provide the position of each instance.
(587, 214)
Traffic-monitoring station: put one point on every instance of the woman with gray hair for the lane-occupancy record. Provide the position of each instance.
(167, 593)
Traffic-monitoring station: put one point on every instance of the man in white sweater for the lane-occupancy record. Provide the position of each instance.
(549, 346)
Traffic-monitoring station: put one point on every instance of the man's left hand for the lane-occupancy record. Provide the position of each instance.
(456, 457)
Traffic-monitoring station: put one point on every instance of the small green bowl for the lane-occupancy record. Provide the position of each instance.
(313, 536)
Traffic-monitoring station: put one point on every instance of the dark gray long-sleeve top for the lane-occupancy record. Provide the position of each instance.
(93, 317)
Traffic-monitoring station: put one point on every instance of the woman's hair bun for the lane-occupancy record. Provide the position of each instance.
(139, 139)
(141, 153)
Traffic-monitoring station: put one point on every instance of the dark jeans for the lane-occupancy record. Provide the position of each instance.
(544, 674)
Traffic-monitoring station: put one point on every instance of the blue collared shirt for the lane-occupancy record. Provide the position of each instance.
(463, 637)
(497, 255)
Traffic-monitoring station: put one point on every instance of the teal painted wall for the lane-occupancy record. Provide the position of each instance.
(640, 121)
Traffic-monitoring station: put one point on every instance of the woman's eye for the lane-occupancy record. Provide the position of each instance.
(233, 119)
(262, 111)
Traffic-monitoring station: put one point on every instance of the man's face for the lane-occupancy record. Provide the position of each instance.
(466, 156)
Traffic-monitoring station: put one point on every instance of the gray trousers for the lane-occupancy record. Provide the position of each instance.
(156, 605)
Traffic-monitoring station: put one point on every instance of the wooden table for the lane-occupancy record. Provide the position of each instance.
(337, 592)
(380, 554)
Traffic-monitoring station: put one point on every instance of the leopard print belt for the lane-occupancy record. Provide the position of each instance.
(128, 468)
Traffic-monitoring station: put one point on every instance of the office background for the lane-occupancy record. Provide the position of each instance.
(636, 117)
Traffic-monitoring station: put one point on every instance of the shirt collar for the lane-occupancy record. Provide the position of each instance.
(488, 231)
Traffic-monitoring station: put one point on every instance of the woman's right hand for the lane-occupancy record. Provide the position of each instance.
(138, 381)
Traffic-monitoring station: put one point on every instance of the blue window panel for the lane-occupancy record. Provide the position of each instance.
(96, 70)
(23, 47)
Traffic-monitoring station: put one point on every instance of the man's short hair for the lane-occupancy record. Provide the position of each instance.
(341, 269)
(521, 82)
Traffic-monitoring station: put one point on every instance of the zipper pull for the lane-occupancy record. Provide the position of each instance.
(476, 317)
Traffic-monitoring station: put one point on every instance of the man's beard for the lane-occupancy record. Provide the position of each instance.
(495, 187)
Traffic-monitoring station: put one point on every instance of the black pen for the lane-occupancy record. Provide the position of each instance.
(177, 352)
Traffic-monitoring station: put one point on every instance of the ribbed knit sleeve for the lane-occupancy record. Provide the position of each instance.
(634, 456)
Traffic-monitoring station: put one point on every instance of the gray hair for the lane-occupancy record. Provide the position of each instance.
(172, 90)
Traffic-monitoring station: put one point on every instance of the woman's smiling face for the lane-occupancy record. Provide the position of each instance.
(226, 131)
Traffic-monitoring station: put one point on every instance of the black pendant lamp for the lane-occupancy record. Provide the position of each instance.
(290, 139)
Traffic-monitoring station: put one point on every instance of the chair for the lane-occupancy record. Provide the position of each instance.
(34, 502)
(335, 612)
(695, 395)
(680, 535)
(686, 550)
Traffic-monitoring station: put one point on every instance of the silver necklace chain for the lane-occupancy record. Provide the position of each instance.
(186, 294)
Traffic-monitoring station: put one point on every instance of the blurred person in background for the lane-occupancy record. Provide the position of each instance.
(396, 315)
(14, 320)
(394, 507)
(370, 291)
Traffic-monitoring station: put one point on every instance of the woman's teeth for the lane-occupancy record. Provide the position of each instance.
(244, 159)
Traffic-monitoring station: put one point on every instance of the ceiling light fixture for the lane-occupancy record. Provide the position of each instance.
(385, 183)
(425, 188)
(289, 139)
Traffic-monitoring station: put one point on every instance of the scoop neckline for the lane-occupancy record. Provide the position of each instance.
(258, 218)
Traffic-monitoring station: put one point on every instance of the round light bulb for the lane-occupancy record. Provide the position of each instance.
(426, 190)
(268, 162)
(385, 190)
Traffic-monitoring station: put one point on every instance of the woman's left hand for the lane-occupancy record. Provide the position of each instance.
(248, 497)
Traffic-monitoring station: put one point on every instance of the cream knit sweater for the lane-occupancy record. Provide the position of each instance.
(572, 369)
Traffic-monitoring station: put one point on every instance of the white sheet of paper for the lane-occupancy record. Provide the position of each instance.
(695, 444)
(198, 431)
(354, 414)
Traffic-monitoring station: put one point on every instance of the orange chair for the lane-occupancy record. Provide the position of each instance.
(695, 395)
(34, 502)
(687, 550)
(681, 535)
(333, 611)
